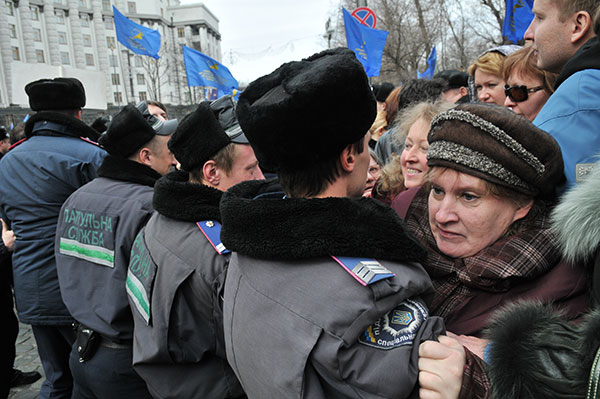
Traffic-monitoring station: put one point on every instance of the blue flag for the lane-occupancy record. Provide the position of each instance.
(517, 19)
(135, 37)
(201, 70)
(367, 43)
(428, 74)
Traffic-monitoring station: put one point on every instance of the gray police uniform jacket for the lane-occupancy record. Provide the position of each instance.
(96, 229)
(175, 285)
(297, 323)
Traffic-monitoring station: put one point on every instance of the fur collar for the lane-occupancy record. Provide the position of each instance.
(576, 219)
(127, 170)
(179, 199)
(75, 127)
(271, 227)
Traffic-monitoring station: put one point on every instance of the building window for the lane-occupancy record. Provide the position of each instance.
(110, 43)
(60, 16)
(115, 79)
(35, 13)
(89, 59)
(138, 61)
(143, 96)
(181, 32)
(13, 30)
(39, 55)
(118, 97)
(87, 40)
(59, 2)
(106, 5)
(108, 23)
(85, 20)
(9, 6)
(140, 79)
(83, 3)
(37, 35)
(15, 53)
(62, 37)
(64, 58)
(131, 7)
(112, 60)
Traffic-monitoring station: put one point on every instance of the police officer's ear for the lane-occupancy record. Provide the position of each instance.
(348, 158)
(144, 156)
(212, 174)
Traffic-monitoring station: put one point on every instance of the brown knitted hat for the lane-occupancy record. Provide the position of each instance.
(497, 145)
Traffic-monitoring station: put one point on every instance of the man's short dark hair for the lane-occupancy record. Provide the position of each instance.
(419, 90)
(313, 179)
(570, 7)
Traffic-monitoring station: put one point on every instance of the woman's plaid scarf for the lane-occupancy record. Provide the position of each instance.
(521, 256)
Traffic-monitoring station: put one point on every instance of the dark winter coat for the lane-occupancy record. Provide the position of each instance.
(179, 351)
(96, 229)
(36, 177)
(297, 323)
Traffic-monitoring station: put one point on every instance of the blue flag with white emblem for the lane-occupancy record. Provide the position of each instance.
(431, 60)
(367, 43)
(517, 19)
(201, 70)
(135, 37)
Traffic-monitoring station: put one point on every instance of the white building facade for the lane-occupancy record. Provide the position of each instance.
(77, 38)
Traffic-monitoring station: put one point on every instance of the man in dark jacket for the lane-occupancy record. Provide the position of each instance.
(96, 229)
(178, 266)
(36, 177)
(323, 297)
(563, 35)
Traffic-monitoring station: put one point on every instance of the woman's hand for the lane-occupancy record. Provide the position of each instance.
(441, 366)
(8, 237)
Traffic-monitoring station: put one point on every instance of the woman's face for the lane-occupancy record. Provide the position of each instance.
(414, 155)
(490, 88)
(535, 101)
(465, 218)
(373, 174)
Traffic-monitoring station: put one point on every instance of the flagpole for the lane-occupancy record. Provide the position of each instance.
(123, 73)
(186, 78)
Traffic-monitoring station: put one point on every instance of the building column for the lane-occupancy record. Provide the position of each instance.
(102, 47)
(6, 53)
(76, 35)
(49, 23)
(24, 14)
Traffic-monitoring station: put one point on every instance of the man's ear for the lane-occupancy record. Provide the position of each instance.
(463, 91)
(582, 25)
(145, 156)
(348, 158)
(211, 172)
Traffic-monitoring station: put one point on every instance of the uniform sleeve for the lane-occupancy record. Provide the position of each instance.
(383, 361)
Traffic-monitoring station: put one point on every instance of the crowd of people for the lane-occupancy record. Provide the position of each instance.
(437, 239)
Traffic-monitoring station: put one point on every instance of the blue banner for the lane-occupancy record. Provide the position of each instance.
(201, 70)
(428, 73)
(135, 37)
(367, 43)
(517, 19)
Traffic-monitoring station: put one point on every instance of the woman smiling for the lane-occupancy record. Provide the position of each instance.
(484, 217)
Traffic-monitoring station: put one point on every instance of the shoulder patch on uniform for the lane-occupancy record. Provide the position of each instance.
(140, 277)
(212, 231)
(365, 271)
(397, 328)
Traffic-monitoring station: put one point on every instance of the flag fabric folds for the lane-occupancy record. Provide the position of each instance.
(428, 73)
(517, 19)
(367, 43)
(135, 37)
(201, 70)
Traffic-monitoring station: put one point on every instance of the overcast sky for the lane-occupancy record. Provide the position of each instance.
(258, 36)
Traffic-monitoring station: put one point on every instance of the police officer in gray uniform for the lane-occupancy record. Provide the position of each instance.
(96, 229)
(323, 297)
(178, 265)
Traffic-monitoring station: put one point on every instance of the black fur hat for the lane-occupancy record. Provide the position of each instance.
(202, 133)
(307, 111)
(55, 94)
(127, 132)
